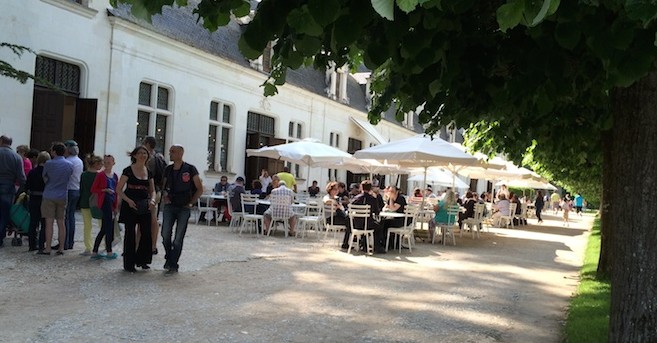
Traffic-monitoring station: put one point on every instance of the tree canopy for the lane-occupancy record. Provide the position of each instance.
(549, 76)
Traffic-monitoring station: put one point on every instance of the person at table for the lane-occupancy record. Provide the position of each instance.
(283, 209)
(429, 194)
(442, 218)
(354, 190)
(235, 192)
(289, 179)
(313, 190)
(469, 205)
(331, 198)
(256, 188)
(365, 198)
(396, 203)
(264, 179)
(342, 190)
(515, 200)
(272, 185)
(501, 208)
(221, 188)
(417, 193)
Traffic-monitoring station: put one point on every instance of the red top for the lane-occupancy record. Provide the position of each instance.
(100, 183)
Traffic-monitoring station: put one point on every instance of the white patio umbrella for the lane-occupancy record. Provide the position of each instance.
(419, 151)
(439, 177)
(309, 152)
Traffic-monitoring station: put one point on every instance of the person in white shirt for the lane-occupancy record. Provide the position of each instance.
(265, 179)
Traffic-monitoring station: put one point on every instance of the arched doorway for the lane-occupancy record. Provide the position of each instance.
(58, 112)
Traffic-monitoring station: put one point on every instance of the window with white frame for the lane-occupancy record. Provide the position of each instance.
(219, 136)
(334, 141)
(153, 114)
(294, 133)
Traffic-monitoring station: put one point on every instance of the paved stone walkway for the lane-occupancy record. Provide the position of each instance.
(508, 286)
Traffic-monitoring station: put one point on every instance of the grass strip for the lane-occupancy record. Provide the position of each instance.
(588, 315)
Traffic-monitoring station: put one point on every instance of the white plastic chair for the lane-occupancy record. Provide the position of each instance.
(406, 231)
(476, 221)
(311, 220)
(508, 219)
(250, 218)
(447, 229)
(204, 205)
(277, 201)
(522, 217)
(329, 213)
(235, 218)
(360, 212)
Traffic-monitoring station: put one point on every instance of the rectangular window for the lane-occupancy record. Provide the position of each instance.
(294, 134)
(219, 136)
(354, 145)
(153, 115)
(334, 141)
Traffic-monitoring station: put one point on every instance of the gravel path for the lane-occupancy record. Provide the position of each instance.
(508, 286)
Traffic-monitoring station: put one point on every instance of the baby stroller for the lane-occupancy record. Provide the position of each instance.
(20, 219)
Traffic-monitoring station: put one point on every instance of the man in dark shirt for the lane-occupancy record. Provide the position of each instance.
(366, 198)
(11, 175)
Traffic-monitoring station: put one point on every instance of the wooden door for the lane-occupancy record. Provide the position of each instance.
(85, 125)
(47, 118)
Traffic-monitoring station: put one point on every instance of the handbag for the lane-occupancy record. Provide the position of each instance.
(96, 212)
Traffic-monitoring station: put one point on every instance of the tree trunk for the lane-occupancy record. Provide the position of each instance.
(605, 263)
(633, 315)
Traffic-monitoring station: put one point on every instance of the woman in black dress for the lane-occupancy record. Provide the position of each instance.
(136, 189)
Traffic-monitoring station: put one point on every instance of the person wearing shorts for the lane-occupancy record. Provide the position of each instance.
(56, 174)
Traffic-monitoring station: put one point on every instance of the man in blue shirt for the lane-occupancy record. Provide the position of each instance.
(11, 175)
(579, 203)
(56, 174)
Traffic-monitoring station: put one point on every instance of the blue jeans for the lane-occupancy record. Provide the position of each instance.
(71, 206)
(173, 249)
(7, 192)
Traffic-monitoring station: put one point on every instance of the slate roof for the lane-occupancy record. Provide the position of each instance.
(180, 24)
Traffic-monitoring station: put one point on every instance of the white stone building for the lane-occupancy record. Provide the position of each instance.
(123, 79)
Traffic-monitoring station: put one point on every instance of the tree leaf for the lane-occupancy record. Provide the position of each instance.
(247, 50)
(567, 34)
(270, 89)
(324, 11)
(509, 15)
(302, 21)
(243, 10)
(384, 8)
(407, 5)
(547, 5)
(643, 10)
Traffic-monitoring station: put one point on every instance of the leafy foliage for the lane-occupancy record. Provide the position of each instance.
(7, 70)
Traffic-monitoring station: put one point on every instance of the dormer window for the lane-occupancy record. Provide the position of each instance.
(336, 83)
(263, 63)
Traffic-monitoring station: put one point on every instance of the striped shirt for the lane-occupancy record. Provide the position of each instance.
(282, 199)
(78, 166)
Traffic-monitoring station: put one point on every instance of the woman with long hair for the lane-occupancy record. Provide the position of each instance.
(104, 187)
(136, 189)
(441, 217)
(94, 163)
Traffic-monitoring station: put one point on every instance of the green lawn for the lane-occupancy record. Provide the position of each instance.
(588, 316)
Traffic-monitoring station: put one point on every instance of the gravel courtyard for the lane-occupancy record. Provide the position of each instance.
(511, 285)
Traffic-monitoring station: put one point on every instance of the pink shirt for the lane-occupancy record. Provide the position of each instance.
(27, 165)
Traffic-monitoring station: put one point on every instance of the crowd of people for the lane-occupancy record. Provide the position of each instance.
(55, 183)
